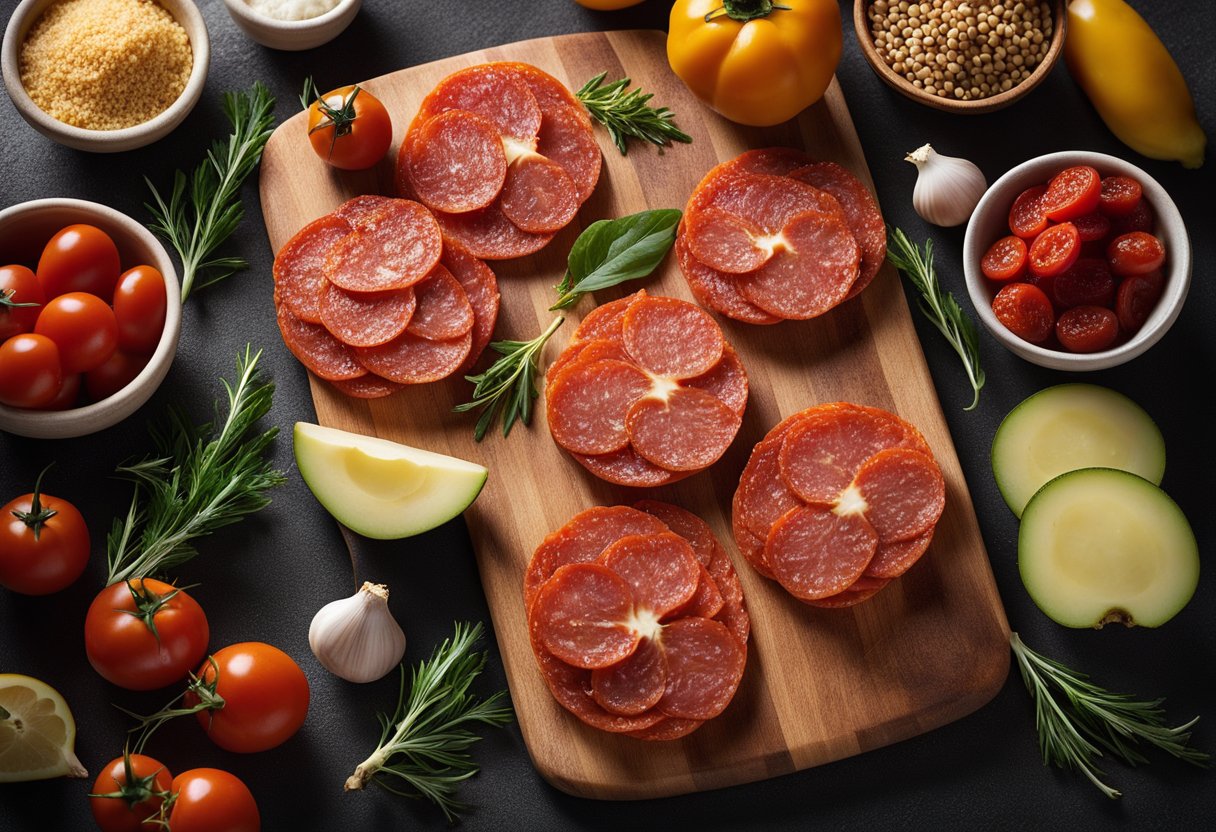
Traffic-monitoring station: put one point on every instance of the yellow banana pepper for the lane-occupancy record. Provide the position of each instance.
(607, 5)
(1132, 81)
(757, 62)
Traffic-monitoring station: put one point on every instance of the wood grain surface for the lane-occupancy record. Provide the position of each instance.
(820, 684)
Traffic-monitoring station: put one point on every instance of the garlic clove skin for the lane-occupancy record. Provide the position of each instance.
(357, 638)
(947, 188)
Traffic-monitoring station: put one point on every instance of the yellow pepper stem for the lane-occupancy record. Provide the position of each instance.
(745, 10)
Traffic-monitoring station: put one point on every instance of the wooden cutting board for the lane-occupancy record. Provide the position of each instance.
(820, 684)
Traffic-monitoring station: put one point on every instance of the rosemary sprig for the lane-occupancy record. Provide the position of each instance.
(628, 115)
(425, 741)
(1072, 734)
(938, 305)
(196, 225)
(509, 385)
(202, 478)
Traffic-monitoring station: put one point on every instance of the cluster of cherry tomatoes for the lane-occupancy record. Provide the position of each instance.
(1082, 269)
(77, 322)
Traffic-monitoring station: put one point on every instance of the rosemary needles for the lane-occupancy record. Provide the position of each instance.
(627, 114)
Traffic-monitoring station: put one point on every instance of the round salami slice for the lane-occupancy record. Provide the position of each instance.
(750, 544)
(606, 320)
(769, 202)
(408, 359)
(357, 210)
(396, 248)
(488, 234)
(904, 493)
(704, 667)
(684, 523)
(726, 380)
(583, 539)
(823, 453)
(687, 431)
(860, 212)
(667, 729)
(565, 139)
(726, 242)
(481, 288)
(586, 352)
(298, 277)
(456, 162)
(894, 559)
(763, 495)
(370, 386)
(538, 195)
(848, 598)
(587, 405)
(734, 617)
(815, 553)
(317, 349)
(627, 467)
(720, 292)
(633, 686)
(773, 161)
(444, 311)
(549, 92)
(580, 616)
(492, 91)
(366, 319)
(706, 601)
(661, 570)
(671, 338)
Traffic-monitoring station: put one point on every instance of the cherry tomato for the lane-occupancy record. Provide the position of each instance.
(1005, 260)
(140, 301)
(1053, 251)
(128, 794)
(349, 128)
(18, 286)
(1140, 219)
(1120, 196)
(1025, 311)
(44, 543)
(1092, 227)
(68, 396)
(83, 328)
(119, 370)
(210, 800)
(1087, 329)
(80, 258)
(1136, 298)
(264, 692)
(1087, 283)
(30, 373)
(1026, 217)
(144, 634)
(1073, 192)
(1135, 253)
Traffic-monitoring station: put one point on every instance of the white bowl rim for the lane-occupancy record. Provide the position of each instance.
(242, 9)
(200, 49)
(1177, 279)
(166, 347)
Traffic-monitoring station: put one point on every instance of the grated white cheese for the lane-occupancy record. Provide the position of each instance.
(291, 9)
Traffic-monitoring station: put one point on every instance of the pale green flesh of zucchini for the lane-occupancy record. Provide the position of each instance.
(1073, 426)
(1099, 545)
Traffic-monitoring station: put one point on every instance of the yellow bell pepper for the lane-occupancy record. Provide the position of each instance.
(1132, 81)
(607, 5)
(755, 61)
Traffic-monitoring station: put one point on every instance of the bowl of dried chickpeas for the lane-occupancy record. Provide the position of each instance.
(961, 56)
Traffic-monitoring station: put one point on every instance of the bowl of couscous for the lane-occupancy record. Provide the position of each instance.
(105, 75)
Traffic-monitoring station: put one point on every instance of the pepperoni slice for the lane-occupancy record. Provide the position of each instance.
(726, 242)
(408, 359)
(671, 338)
(586, 352)
(763, 495)
(366, 319)
(750, 544)
(706, 601)
(606, 320)
(848, 598)
(549, 92)
(587, 405)
(769, 202)
(704, 666)
(370, 386)
(684, 523)
(444, 311)
(583, 539)
(567, 140)
(538, 196)
(580, 616)
(894, 559)
(717, 290)
(456, 162)
(1026, 217)
(815, 552)
(494, 92)
(627, 467)
(687, 431)
(904, 493)
(773, 161)
(823, 453)
(571, 687)
(726, 381)
(298, 278)
(396, 248)
(633, 686)
(735, 618)
(481, 288)
(1087, 283)
(1119, 196)
(661, 570)
(861, 213)
(357, 210)
(317, 349)
(667, 729)
(488, 234)
(814, 271)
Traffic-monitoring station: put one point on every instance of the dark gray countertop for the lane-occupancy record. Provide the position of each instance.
(264, 579)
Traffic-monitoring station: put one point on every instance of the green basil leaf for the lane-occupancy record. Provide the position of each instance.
(610, 252)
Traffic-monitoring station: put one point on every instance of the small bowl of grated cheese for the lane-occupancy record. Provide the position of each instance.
(105, 75)
(293, 25)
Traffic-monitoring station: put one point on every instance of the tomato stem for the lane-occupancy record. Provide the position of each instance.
(745, 10)
(341, 118)
(37, 516)
(6, 299)
(208, 700)
(148, 603)
(136, 790)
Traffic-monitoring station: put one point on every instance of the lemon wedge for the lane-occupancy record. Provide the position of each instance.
(37, 732)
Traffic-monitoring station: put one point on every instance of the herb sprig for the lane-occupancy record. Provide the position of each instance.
(610, 252)
(425, 741)
(1073, 733)
(938, 305)
(629, 115)
(203, 211)
(509, 385)
(203, 477)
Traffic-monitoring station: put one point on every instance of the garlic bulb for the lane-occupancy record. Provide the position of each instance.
(357, 638)
(947, 188)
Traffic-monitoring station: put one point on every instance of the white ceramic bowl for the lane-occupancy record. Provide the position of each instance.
(990, 222)
(105, 141)
(24, 230)
(293, 35)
